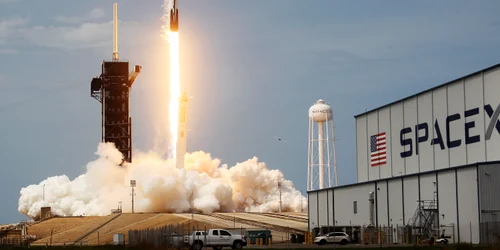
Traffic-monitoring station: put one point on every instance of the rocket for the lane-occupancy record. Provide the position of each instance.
(182, 130)
(174, 17)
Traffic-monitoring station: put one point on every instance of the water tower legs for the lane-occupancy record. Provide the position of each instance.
(320, 146)
(321, 156)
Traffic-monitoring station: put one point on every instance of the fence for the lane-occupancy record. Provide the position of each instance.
(11, 237)
(172, 236)
(404, 235)
(10, 242)
(164, 237)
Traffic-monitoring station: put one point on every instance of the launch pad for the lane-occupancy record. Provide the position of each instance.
(112, 90)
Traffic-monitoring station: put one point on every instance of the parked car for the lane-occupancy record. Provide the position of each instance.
(334, 237)
(442, 241)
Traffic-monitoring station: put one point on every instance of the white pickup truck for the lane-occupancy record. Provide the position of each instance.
(215, 238)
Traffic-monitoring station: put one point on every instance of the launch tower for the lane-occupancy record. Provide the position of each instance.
(112, 90)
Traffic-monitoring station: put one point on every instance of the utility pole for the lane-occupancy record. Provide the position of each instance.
(301, 206)
(132, 185)
(43, 192)
(279, 186)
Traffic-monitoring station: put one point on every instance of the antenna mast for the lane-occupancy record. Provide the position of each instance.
(115, 31)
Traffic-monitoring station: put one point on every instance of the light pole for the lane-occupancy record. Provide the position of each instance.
(132, 185)
(279, 186)
(301, 206)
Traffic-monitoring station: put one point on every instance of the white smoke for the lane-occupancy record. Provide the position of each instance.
(204, 185)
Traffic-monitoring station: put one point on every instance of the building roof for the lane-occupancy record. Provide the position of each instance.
(425, 91)
(476, 164)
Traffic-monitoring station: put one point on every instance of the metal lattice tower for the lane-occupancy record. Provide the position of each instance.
(112, 90)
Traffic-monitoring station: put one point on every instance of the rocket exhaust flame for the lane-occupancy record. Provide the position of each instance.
(170, 33)
(175, 90)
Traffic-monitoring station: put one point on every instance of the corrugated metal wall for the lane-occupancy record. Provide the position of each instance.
(489, 192)
(447, 199)
(396, 200)
(344, 205)
(468, 202)
(313, 209)
(463, 111)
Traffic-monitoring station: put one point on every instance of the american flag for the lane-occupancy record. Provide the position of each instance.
(378, 150)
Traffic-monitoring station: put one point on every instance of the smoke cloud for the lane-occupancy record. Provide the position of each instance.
(204, 185)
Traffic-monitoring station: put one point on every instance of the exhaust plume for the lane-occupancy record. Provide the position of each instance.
(204, 185)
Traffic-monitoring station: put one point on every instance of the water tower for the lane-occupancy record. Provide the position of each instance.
(321, 148)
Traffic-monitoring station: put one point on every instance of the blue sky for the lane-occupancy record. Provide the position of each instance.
(253, 69)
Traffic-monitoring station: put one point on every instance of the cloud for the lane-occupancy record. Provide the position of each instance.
(8, 51)
(86, 35)
(83, 36)
(9, 26)
(74, 33)
(92, 15)
(68, 36)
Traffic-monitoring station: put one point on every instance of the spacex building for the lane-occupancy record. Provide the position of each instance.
(428, 161)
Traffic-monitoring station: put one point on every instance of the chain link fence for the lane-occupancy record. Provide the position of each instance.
(11, 237)
(174, 236)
